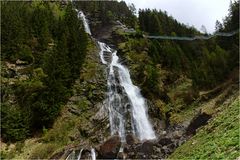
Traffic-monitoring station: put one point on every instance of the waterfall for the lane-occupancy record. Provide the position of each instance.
(124, 99)
(85, 22)
(73, 155)
(80, 154)
(93, 154)
(103, 48)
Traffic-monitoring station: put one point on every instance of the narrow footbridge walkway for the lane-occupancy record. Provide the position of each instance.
(222, 34)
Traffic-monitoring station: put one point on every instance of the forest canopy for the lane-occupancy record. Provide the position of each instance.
(51, 39)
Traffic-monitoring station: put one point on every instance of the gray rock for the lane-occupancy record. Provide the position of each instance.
(102, 113)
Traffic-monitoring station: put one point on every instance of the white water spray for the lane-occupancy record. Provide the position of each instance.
(124, 99)
(85, 21)
(93, 154)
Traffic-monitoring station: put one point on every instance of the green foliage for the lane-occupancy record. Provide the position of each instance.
(229, 24)
(169, 54)
(107, 11)
(25, 53)
(158, 22)
(207, 62)
(13, 33)
(217, 140)
(152, 77)
(15, 123)
(52, 39)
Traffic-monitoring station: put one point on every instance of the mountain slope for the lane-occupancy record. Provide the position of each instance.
(217, 140)
(76, 125)
(181, 81)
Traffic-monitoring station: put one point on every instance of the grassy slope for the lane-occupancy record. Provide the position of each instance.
(218, 140)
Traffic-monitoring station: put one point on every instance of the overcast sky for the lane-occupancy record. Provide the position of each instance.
(191, 12)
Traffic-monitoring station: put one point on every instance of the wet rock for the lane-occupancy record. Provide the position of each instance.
(110, 148)
(198, 121)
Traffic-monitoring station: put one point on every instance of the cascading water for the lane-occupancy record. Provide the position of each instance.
(85, 22)
(93, 154)
(124, 99)
(80, 154)
(76, 155)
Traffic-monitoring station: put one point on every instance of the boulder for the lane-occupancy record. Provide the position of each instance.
(110, 148)
(130, 139)
(199, 120)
